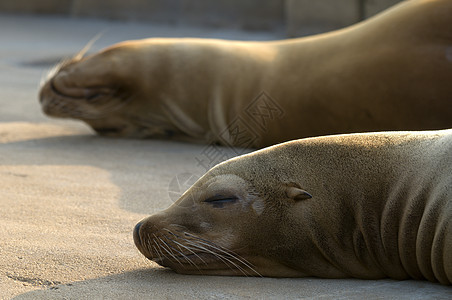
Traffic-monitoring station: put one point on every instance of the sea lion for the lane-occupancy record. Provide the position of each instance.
(367, 206)
(390, 72)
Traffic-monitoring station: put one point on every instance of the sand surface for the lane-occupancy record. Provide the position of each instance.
(69, 199)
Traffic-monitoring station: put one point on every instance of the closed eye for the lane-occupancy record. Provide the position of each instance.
(220, 199)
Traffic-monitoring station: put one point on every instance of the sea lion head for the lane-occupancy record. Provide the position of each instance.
(228, 223)
(106, 91)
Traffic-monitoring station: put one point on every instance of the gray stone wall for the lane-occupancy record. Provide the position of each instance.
(309, 16)
(36, 7)
(246, 14)
(305, 16)
(373, 7)
(297, 17)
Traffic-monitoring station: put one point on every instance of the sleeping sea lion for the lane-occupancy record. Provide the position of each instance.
(366, 206)
(390, 72)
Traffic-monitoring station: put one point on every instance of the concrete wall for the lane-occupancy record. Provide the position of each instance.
(373, 7)
(298, 17)
(36, 7)
(303, 16)
(246, 14)
(311, 16)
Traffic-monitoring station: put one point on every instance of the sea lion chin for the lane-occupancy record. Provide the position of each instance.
(390, 72)
(366, 206)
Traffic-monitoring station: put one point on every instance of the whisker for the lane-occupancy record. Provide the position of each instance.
(184, 256)
(185, 247)
(182, 246)
(109, 107)
(221, 257)
(88, 46)
(226, 251)
(149, 246)
(46, 76)
(161, 254)
(168, 250)
(179, 251)
(157, 252)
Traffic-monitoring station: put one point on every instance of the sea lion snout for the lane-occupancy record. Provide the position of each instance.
(136, 235)
(83, 88)
(84, 79)
(67, 84)
(205, 231)
(144, 231)
(142, 241)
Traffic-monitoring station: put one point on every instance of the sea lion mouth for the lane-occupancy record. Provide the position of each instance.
(204, 263)
(109, 130)
(202, 260)
(187, 253)
(86, 103)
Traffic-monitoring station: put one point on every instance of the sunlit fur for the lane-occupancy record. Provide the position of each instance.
(389, 72)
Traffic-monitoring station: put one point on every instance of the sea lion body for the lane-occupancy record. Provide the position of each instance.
(391, 72)
(361, 205)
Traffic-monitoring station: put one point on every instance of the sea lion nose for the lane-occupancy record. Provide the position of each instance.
(136, 235)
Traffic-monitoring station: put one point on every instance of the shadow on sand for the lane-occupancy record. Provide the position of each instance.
(136, 167)
(164, 284)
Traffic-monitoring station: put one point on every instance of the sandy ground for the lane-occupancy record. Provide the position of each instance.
(69, 199)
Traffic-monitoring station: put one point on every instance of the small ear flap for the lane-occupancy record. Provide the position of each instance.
(297, 194)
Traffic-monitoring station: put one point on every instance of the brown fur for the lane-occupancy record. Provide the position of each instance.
(381, 206)
(391, 72)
